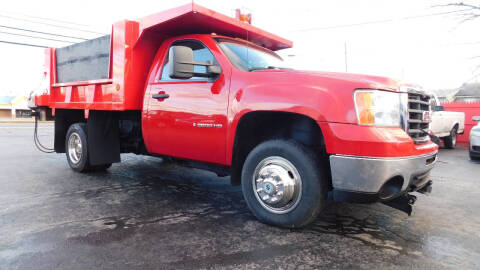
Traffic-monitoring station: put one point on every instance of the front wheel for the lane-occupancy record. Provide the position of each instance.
(451, 140)
(283, 184)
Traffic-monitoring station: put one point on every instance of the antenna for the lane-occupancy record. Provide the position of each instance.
(245, 18)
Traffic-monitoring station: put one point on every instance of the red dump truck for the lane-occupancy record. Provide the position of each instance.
(208, 91)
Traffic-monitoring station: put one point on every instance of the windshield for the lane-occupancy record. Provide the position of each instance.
(249, 57)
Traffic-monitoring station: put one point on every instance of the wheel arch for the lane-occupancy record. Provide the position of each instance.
(255, 127)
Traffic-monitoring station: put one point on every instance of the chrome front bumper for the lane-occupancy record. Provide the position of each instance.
(368, 174)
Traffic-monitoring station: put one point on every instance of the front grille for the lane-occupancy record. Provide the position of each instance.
(476, 148)
(417, 128)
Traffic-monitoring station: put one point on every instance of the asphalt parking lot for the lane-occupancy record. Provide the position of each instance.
(145, 214)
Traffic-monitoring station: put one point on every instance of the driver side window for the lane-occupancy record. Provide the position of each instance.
(200, 54)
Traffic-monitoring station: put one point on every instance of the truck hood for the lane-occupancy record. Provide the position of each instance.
(325, 96)
(356, 80)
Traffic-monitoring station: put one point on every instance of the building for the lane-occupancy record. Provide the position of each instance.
(445, 95)
(14, 107)
(6, 106)
(468, 92)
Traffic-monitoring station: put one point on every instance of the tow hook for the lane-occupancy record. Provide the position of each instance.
(403, 203)
(427, 189)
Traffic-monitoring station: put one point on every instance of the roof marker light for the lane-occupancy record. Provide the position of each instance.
(246, 18)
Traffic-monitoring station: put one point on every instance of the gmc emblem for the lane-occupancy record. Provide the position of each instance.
(426, 117)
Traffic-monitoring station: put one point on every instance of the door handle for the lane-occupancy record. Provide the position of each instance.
(160, 96)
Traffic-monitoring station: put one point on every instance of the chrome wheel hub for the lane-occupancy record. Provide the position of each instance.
(75, 148)
(277, 185)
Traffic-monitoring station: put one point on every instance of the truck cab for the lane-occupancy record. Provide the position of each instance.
(202, 89)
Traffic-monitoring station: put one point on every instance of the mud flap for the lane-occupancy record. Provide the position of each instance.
(403, 203)
(103, 137)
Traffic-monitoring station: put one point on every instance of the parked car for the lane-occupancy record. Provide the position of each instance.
(475, 140)
(446, 125)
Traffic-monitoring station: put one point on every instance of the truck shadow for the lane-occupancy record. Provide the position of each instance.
(170, 199)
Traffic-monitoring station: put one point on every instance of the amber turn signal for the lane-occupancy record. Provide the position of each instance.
(364, 104)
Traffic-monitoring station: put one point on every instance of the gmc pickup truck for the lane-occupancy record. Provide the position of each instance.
(206, 90)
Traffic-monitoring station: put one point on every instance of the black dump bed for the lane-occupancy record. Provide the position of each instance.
(88, 60)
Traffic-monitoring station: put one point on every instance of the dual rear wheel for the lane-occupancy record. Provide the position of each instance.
(76, 149)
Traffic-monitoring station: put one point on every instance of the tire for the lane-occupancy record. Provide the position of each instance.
(282, 161)
(77, 157)
(451, 140)
(472, 157)
(99, 168)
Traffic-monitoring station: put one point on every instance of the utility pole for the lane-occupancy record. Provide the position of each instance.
(346, 66)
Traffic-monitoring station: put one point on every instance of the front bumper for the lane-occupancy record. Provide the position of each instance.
(379, 178)
(474, 142)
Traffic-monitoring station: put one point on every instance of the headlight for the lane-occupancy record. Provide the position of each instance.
(378, 108)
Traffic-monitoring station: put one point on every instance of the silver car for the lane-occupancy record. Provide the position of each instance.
(475, 140)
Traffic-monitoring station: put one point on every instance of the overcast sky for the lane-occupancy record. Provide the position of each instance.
(407, 39)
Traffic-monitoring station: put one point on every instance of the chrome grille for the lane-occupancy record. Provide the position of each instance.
(417, 128)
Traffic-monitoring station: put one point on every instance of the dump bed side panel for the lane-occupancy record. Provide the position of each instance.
(97, 74)
(85, 61)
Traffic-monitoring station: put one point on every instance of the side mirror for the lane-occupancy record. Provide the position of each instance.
(439, 108)
(181, 62)
(476, 118)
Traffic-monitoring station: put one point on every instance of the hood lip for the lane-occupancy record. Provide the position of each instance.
(372, 82)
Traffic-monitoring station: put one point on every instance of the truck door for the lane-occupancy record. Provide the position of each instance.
(190, 120)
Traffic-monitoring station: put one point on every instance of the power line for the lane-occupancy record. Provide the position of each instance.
(52, 39)
(473, 77)
(23, 44)
(50, 24)
(39, 32)
(46, 19)
(378, 21)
